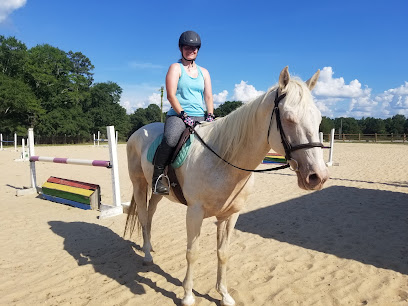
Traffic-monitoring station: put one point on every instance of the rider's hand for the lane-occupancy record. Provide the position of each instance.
(210, 117)
(188, 121)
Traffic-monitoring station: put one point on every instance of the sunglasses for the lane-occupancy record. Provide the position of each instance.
(190, 48)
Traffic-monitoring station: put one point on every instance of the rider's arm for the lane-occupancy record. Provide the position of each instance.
(208, 97)
(172, 79)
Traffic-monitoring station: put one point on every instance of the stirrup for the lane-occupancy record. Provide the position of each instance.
(158, 179)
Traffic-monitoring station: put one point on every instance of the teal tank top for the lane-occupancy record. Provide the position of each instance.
(190, 94)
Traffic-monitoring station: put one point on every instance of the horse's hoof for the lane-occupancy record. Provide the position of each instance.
(188, 301)
(148, 263)
(227, 301)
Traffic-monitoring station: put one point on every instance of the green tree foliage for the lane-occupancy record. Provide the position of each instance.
(347, 125)
(104, 108)
(372, 125)
(227, 107)
(53, 91)
(326, 125)
(13, 55)
(143, 116)
(395, 124)
(19, 107)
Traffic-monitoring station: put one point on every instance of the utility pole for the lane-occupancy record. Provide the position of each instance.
(161, 103)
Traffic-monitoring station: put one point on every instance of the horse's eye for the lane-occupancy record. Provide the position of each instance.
(290, 117)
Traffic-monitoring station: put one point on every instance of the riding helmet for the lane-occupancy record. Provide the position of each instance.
(190, 38)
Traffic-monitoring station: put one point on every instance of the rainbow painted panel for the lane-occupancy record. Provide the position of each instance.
(274, 158)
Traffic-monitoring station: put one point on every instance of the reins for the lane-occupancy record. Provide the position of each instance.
(248, 170)
(286, 144)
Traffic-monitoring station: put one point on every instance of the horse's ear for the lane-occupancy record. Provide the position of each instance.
(311, 83)
(284, 78)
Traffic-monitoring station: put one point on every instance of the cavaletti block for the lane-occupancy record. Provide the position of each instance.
(75, 193)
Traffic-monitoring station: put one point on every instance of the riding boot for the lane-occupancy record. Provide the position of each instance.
(160, 161)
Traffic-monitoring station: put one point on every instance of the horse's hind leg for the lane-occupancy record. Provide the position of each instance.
(150, 212)
(145, 212)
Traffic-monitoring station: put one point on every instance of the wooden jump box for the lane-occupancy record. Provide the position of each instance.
(79, 194)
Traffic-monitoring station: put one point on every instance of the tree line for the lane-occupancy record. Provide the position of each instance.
(54, 92)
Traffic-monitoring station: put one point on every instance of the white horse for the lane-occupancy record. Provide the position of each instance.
(211, 186)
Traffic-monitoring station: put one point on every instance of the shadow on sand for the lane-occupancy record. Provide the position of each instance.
(369, 226)
(113, 256)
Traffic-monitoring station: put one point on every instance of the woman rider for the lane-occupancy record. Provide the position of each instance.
(187, 86)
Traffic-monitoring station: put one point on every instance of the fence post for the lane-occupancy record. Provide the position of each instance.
(375, 137)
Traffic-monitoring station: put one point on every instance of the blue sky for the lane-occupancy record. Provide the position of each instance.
(360, 47)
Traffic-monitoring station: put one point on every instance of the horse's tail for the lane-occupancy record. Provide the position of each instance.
(132, 219)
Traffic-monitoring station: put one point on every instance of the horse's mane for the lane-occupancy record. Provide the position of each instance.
(234, 131)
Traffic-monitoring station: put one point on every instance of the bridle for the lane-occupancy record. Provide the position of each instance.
(286, 144)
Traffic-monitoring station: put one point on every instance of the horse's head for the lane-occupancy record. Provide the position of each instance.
(294, 131)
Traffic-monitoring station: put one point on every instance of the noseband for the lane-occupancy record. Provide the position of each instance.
(286, 144)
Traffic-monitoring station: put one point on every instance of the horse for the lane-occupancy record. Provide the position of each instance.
(284, 118)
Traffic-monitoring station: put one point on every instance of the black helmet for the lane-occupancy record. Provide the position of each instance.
(190, 38)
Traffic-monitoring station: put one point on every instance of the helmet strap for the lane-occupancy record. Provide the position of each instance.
(191, 61)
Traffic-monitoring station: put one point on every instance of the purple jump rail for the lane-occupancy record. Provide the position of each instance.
(73, 161)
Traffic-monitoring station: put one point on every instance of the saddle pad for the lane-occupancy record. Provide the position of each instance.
(181, 157)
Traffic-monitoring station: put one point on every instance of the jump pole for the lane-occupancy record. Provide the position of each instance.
(4, 141)
(106, 210)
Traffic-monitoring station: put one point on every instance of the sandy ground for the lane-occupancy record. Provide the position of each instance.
(344, 245)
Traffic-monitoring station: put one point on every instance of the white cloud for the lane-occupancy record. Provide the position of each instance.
(140, 65)
(245, 93)
(220, 98)
(328, 86)
(136, 96)
(394, 101)
(335, 98)
(8, 6)
(155, 98)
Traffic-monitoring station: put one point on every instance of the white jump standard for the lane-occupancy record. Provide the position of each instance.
(106, 210)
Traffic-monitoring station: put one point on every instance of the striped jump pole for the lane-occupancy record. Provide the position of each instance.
(106, 210)
(71, 161)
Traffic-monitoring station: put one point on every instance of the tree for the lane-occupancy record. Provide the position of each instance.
(326, 125)
(19, 107)
(47, 71)
(143, 116)
(372, 125)
(80, 78)
(395, 124)
(12, 57)
(104, 108)
(347, 125)
(226, 108)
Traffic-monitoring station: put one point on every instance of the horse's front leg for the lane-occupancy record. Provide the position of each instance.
(195, 216)
(224, 231)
